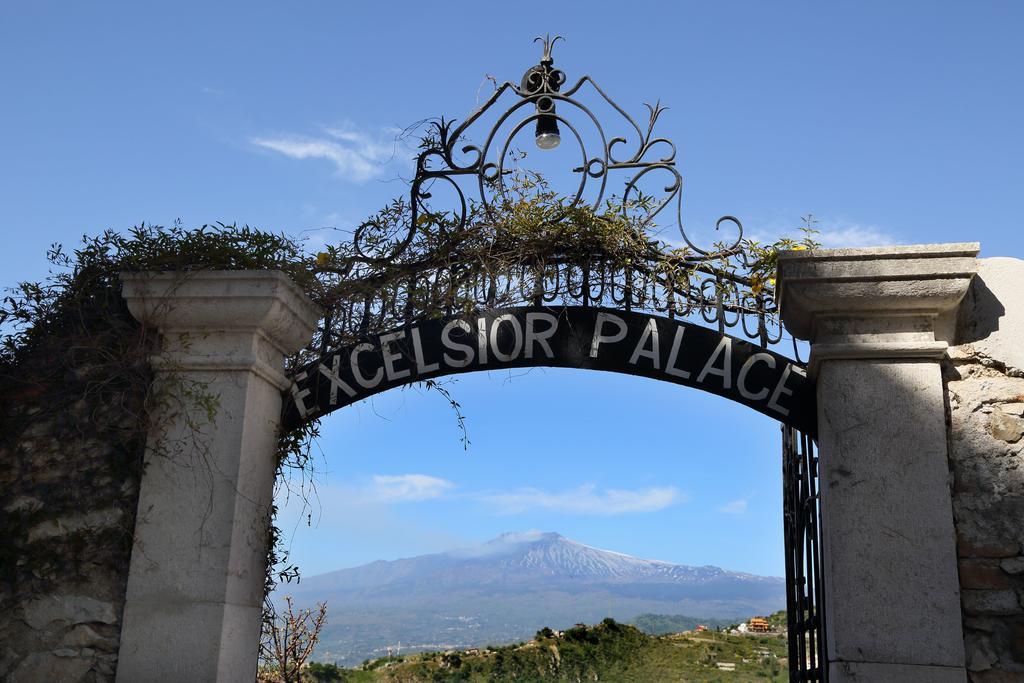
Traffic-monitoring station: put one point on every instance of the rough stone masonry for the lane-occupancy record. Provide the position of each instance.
(985, 390)
(68, 493)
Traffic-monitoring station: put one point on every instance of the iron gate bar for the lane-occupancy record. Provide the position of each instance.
(805, 612)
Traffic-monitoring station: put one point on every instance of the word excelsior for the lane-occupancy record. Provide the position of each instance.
(566, 337)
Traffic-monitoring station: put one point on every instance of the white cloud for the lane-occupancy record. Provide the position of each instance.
(405, 488)
(362, 527)
(356, 155)
(834, 234)
(734, 507)
(585, 500)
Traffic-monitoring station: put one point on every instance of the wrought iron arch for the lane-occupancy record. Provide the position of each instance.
(381, 269)
(698, 315)
(541, 88)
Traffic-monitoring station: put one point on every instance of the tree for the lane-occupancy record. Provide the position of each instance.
(326, 673)
(288, 641)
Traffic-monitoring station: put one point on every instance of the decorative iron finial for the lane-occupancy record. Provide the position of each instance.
(561, 116)
(549, 43)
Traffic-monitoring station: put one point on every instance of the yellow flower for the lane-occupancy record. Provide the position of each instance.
(756, 284)
(798, 247)
(771, 282)
(323, 258)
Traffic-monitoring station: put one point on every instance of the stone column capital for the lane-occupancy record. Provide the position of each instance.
(222, 300)
(879, 302)
(223, 319)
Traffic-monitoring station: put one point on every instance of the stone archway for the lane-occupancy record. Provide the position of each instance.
(875, 321)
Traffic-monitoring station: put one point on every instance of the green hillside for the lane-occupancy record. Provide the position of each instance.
(609, 651)
(662, 624)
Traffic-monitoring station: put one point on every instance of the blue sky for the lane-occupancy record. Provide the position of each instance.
(891, 122)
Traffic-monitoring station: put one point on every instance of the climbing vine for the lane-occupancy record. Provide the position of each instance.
(533, 246)
(73, 358)
(69, 346)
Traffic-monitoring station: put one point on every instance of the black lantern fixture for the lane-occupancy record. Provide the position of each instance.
(547, 135)
(545, 78)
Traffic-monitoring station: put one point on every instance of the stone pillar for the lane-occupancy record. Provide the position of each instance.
(195, 585)
(889, 562)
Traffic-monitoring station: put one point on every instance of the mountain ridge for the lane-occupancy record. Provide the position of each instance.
(549, 550)
(503, 590)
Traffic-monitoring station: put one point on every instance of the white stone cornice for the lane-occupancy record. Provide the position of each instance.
(867, 296)
(265, 303)
(883, 350)
(175, 363)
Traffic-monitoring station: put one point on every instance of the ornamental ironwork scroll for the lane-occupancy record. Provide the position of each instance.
(541, 98)
(408, 268)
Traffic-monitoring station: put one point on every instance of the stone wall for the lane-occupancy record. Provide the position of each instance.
(69, 473)
(68, 493)
(985, 383)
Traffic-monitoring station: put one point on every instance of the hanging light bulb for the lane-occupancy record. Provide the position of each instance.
(547, 135)
(545, 80)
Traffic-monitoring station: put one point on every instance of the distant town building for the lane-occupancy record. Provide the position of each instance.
(759, 625)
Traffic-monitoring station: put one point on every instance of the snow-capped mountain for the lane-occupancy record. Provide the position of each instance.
(555, 555)
(522, 557)
(507, 588)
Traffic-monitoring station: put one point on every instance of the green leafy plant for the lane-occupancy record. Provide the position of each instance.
(69, 346)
